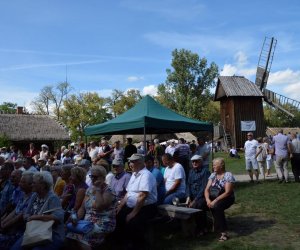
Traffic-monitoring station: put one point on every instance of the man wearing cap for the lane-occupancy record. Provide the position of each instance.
(197, 181)
(42, 164)
(139, 203)
(120, 179)
(45, 151)
(174, 179)
(18, 164)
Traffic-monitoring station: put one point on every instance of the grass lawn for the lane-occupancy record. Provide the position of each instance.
(234, 165)
(264, 216)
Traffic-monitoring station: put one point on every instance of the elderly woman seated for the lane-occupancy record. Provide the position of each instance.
(12, 225)
(44, 200)
(98, 207)
(219, 195)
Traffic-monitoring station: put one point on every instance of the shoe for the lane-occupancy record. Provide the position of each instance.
(280, 181)
(223, 237)
(287, 182)
(251, 181)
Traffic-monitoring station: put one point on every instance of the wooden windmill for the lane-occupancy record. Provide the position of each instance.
(283, 103)
(241, 100)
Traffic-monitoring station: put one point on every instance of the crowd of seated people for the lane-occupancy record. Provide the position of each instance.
(74, 184)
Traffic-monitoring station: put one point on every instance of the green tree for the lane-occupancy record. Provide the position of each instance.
(82, 110)
(4, 141)
(50, 99)
(277, 118)
(8, 107)
(120, 101)
(188, 84)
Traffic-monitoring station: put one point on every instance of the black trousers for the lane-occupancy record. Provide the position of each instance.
(220, 224)
(132, 232)
(295, 162)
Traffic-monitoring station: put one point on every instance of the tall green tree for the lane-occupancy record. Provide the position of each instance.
(8, 107)
(121, 101)
(187, 87)
(82, 110)
(50, 99)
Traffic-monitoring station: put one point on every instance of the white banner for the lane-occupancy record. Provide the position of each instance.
(248, 126)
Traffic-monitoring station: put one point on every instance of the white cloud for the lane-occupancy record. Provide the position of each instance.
(239, 66)
(228, 70)
(284, 77)
(241, 58)
(293, 90)
(134, 78)
(150, 90)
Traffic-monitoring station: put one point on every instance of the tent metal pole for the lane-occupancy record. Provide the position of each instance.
(145, 146)
(212, 151)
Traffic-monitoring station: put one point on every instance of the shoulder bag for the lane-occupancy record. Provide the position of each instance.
(38, 232)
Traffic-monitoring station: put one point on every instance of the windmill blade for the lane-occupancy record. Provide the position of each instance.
(283, 103)
(265, 62)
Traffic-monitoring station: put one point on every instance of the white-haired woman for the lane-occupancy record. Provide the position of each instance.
(219, 195)
(43, 200)
(99, 207)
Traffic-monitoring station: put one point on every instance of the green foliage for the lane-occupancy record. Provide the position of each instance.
(187, 87)
(120, 101)
(82, 110)
(276, 118)
(4, 141)
(8, 107)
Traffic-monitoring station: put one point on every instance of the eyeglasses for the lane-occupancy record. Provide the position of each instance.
(93, 176)
(194, 161)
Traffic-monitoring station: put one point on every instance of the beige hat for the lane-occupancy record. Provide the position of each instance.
(196, 158)
(117, 162)
(136, 157)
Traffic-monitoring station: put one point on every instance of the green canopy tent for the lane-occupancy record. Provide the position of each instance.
(148, 117)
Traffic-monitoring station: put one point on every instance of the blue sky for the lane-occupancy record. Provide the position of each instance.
(127, 44)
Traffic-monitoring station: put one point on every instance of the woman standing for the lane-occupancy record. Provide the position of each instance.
(98, 207)
(45, 200)
(219, 195)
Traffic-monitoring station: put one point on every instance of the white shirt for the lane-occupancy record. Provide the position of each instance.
(173, 174)
(142, 181)
(94, 152)
(170, 150)
(250, 148)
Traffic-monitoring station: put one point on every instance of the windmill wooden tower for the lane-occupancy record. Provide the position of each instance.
(241, 100)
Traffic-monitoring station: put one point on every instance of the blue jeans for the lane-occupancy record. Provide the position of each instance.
(170, 197)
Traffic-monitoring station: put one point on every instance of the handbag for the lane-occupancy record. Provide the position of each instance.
(37, 233)
(214, 192)
(82, 227)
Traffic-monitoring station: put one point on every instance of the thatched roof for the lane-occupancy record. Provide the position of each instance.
(274, 131)
(229, 86)
(18, 127)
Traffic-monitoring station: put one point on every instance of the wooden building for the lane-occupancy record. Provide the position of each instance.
(241, 107)
(21, 129)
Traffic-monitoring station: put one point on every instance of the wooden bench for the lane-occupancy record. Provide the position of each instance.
(187, 217)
